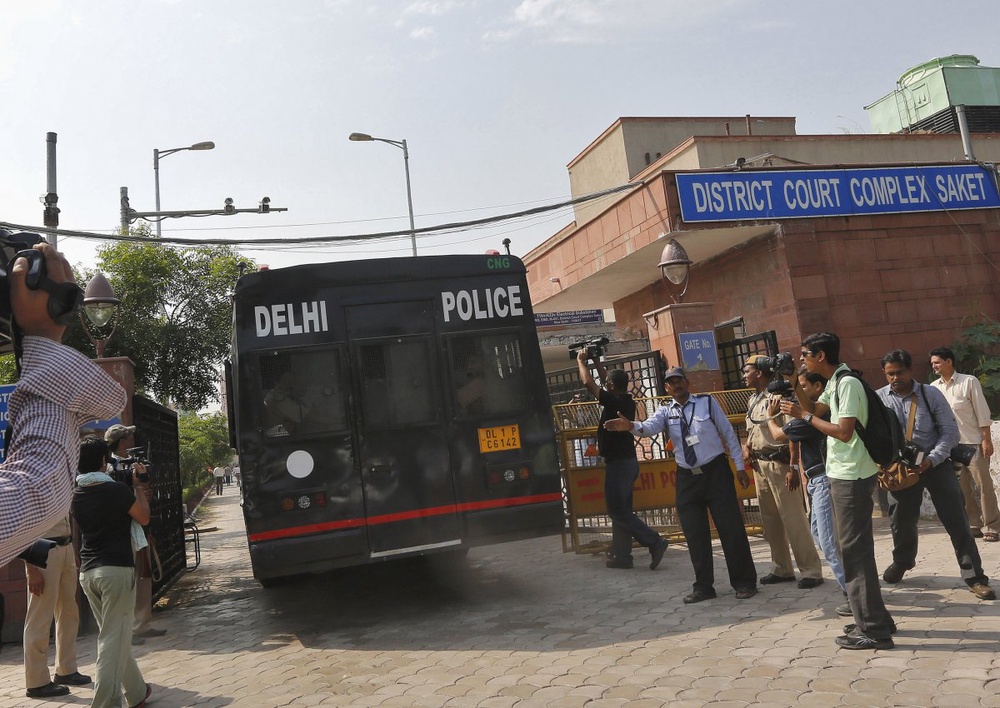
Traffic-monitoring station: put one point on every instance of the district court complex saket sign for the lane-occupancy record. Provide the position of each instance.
(796, 194)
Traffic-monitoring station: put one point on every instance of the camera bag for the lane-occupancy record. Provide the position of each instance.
(898, 474)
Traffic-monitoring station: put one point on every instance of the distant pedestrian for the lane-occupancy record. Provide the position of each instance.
(229, 474)
(220, 477)
(238, 476)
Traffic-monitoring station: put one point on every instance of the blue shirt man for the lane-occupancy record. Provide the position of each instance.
(935, 432)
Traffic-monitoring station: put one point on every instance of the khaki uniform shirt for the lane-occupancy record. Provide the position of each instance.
(759, 436)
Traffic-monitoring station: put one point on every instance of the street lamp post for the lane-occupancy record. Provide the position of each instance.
(99, 306)
(157, 154)
(364, 137)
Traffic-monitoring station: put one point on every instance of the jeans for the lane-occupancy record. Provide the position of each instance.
(852, 513)
(619, 479)
(821, 524)
(713, 490)
(904, 510)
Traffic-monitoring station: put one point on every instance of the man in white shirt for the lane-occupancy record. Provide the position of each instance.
(964, 394)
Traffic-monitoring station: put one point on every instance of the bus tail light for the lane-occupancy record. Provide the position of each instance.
(500, 475)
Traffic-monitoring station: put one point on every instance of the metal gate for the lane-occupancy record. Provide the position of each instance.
(732, 354)
(156, 431)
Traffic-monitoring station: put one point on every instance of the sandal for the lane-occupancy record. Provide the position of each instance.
(991, 537)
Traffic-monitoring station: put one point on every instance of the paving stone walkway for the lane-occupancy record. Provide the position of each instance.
(523, 624)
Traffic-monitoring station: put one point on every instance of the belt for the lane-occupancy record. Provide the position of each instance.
(61, 540)
(703, 467)
(815, 471)
(780, 454)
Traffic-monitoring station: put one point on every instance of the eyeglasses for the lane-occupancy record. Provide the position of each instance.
(805, 353)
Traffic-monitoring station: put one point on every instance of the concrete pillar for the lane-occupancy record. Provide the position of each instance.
(665, 326)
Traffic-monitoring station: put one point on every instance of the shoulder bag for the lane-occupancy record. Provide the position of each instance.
(898, 475)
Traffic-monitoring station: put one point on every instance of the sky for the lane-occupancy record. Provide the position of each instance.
(494, 99)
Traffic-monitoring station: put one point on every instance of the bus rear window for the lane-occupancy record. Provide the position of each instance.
(303, 393)
(487, 374)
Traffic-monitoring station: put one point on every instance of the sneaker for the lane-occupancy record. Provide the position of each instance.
(894, 573)
(860, 640)
(810, 583)
(771, 579)
(49, 690)
(622, 563)
(983, 591)
(73, 679)
(657, 552)
(844, 610)
(848, 628)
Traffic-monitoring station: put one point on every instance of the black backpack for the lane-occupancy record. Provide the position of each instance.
(883, 436)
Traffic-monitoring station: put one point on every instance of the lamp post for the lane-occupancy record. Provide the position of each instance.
(675, 267)
(157, 154)
(99, 306)
(364, 137)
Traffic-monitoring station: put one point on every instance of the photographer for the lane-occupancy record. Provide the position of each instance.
(60, 389)
(934, 435)
(778, 488)
(124, 466)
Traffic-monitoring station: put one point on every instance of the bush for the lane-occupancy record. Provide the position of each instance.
(977, 352)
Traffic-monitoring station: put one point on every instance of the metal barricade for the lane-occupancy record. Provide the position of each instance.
(588, 527)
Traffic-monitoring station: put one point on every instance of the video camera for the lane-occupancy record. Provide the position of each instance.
(65, 299)
(123, 465)
(594, 347)
(783, 366)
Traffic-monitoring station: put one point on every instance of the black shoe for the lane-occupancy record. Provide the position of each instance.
(848, 628)
(745, 593)
(860, 640)
(844, 610)
(73, 679)
(150, 632)
(699, 596)
(810, 583)
(657, 552)
(894, 573)
(622, 563)
(49, 690)
(771, 579)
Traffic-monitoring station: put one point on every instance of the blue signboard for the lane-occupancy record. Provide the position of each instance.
(698, 351)
(797, 194)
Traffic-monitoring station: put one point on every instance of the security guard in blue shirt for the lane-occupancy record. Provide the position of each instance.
(701, 434)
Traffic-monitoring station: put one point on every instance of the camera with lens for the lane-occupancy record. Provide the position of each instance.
(123, 466)
(37, 554)
(780, 387)
(594, 347)
(913, 454)
(783, 364)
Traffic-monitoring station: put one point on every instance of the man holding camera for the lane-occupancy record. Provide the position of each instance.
(109, 514)
(59, 390)
(778, 489)
(935, 433)
(964, 394)
(123, 466)
(621, 467)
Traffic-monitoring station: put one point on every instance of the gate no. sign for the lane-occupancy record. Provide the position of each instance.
(698, 351)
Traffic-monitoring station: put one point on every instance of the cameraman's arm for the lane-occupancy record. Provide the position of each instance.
(773, 421)
(585, 376)
(140, 510)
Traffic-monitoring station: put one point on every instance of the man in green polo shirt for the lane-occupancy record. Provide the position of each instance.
(852, 474)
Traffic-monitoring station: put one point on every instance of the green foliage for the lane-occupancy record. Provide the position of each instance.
(175, 316)
(977, 352)
(204, 443)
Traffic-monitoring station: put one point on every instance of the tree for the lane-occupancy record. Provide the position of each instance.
(175, 316)
(204, 442)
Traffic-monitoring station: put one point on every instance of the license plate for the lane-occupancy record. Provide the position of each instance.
(502, 437)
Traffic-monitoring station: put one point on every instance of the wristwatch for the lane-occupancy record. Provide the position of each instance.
(808, 418)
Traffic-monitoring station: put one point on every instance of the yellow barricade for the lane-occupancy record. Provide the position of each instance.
(588, 528)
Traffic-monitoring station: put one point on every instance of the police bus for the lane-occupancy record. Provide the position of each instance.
(387, 408)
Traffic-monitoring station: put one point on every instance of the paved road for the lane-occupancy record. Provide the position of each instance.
(525, 625)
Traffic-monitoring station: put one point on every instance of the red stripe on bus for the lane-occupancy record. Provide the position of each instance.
(404, 516)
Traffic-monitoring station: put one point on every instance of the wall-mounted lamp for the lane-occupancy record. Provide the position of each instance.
(675, 268)
(553, 279)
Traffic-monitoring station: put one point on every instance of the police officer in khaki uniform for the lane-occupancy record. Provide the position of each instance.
(779, 492)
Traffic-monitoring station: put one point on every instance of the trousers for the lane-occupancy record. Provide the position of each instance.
(823, 528)
(58, 600)
(785, 523)
(852, 512)
(111, 592)
(980, 495)
(904, 512)
(713, 491)
(619, 479)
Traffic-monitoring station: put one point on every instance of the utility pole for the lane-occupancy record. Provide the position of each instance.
(50, 216)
